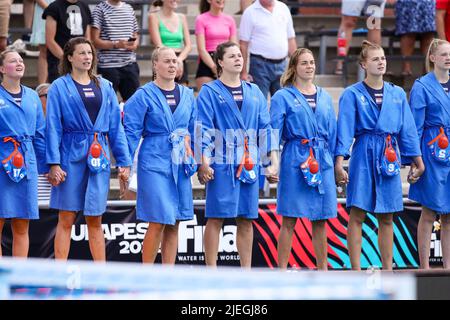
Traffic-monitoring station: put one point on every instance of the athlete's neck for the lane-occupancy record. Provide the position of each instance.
(441, 75)
(230, 79)
(167, 85)
(305, 86)
(374, 82)
(11, 85)
(82, 77)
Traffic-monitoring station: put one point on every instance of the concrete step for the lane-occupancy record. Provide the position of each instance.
(328, 80)
(335, 93)
(311, 21)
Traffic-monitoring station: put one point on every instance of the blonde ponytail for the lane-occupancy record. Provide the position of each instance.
(434, 45)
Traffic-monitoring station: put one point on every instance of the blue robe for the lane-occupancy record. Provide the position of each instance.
(164, 192)
(360, 118)
(226, 196)
(26, 124)
(70, 133)
(292, 115)
(430, 107)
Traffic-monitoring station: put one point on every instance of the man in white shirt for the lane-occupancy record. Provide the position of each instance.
(267, 34)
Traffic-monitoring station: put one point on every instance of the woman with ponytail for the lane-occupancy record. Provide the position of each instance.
(376, 121)
(22, 151)
(235, 122)
(304, 114)
(430, 102)
(163, 114)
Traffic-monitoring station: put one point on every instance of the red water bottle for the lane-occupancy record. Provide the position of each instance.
(341, 45)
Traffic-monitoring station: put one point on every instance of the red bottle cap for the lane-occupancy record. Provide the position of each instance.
(96, 150)
(391, 156)
(443, 142)
(248, 164)
(17, 160)
(314, 166)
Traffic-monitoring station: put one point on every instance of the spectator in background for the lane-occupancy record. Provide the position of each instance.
(44, 187)
(443, 19)
(212, 27)
(42, 91)
(267, 33)
(351, 11)
(414, 18)
(170, 29)
(5, 7)
(28, 17)
(115, 34)
(65, 19)
(38, 39)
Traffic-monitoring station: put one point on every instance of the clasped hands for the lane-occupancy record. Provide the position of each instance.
(57, 175)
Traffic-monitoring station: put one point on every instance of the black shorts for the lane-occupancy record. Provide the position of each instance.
(124, 79)
(203, 70)
(52, 69)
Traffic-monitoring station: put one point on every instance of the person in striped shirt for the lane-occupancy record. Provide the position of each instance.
(115, 35)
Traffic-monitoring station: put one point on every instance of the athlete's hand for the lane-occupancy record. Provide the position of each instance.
(205, 173)
(415, 172)
(124, 173)
(341, 175)
(271, 173)
(56, 175)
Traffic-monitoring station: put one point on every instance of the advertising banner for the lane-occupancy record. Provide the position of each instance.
(124, 235)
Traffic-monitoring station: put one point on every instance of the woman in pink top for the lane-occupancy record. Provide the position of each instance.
(212, 27)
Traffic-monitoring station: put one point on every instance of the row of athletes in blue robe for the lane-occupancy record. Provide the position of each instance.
(164, 190)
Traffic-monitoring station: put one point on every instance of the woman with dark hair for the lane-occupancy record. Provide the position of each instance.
(376, 122)
(170, 29)
(236, 113)
(22, 151)
(212, 27)
(304, 114)
(163, 113)
(83, 122)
